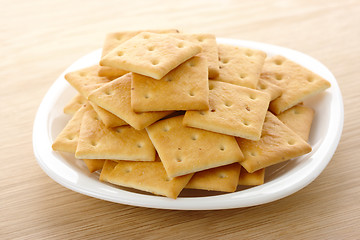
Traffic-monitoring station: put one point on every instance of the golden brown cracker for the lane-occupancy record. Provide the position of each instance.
(185, 150)
(184, 88)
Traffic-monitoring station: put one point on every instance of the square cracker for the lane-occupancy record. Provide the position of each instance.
(122, 143)
(145, 176)
(297, 82)
(209, 49)
(240, 66)
(67, 140)
(185, 150)
(86, 80)
(298, 119)
(278, 143)
(184, 88)
(115, 97)
(150, 54)
(114, 39)
(94, 164)
(234, 110)
(265, 86)
(251, 179)
(74, 104)
(224, 179)
(109, 119)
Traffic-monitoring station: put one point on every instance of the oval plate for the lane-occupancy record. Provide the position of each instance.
(281, 180)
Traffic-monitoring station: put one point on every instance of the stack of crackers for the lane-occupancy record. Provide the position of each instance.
(164, 111)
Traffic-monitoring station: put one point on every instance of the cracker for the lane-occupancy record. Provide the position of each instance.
(67, 140)
(86, 80)
(74, 104)
(251, 179)
(224, 179)
(184, 88)
(185, 150)
(114, 39)
(145, 176)
(115, 97)
(297, 82)
(94, 164)
(121, 143)
(265, 86)
(107, 168)
(209, 49)
(240, 66)
(234, 110)
(150, 54)
(111, 73)
(278, 143)
(298, 119)
(109, 119)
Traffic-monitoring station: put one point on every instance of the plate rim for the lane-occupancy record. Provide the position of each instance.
(232, 200)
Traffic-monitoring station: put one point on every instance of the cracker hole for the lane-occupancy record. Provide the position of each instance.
(180, 45)
(246, 123)
(249, 53)
(200, 39)
(97, 118)
(212, 110)
(279, 77)
(178, 159)
(191, 64)
(82, 74)
(93, 143)
(191, 94)
(118, 130)
(211, 86)
(108, 93)
(225, 61)
(146, 36)
(278, 62)
(166, 128)
(252, 97)
(296, 111)
(252, 154)
(291, 142)
(222, 148)
(120, 53)
(310, 78)
(140, 145)
(194, 137)
(263, 87)
(70, 138)
(118, 38)
(222, 175)
(228, 104)
(168, 79)
(127, 170)
(247, 108)
(151, 48)
(202, 113)
(243, 75)
(154, 62)
(167, 179)
(146, 96)
(220, 66)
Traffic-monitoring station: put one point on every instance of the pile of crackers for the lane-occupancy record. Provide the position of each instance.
(164, 111)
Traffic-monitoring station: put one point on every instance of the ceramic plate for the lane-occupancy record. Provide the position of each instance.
(281, 180)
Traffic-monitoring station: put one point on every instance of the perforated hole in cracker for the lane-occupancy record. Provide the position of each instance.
(154, 62)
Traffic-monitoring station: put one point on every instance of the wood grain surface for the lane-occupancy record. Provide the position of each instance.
(39, 39)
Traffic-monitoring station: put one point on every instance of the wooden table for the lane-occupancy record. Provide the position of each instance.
(39, 39)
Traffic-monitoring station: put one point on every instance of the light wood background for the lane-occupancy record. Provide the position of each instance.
(39, 39)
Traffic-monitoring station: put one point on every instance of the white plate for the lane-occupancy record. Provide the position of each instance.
(281, 180)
